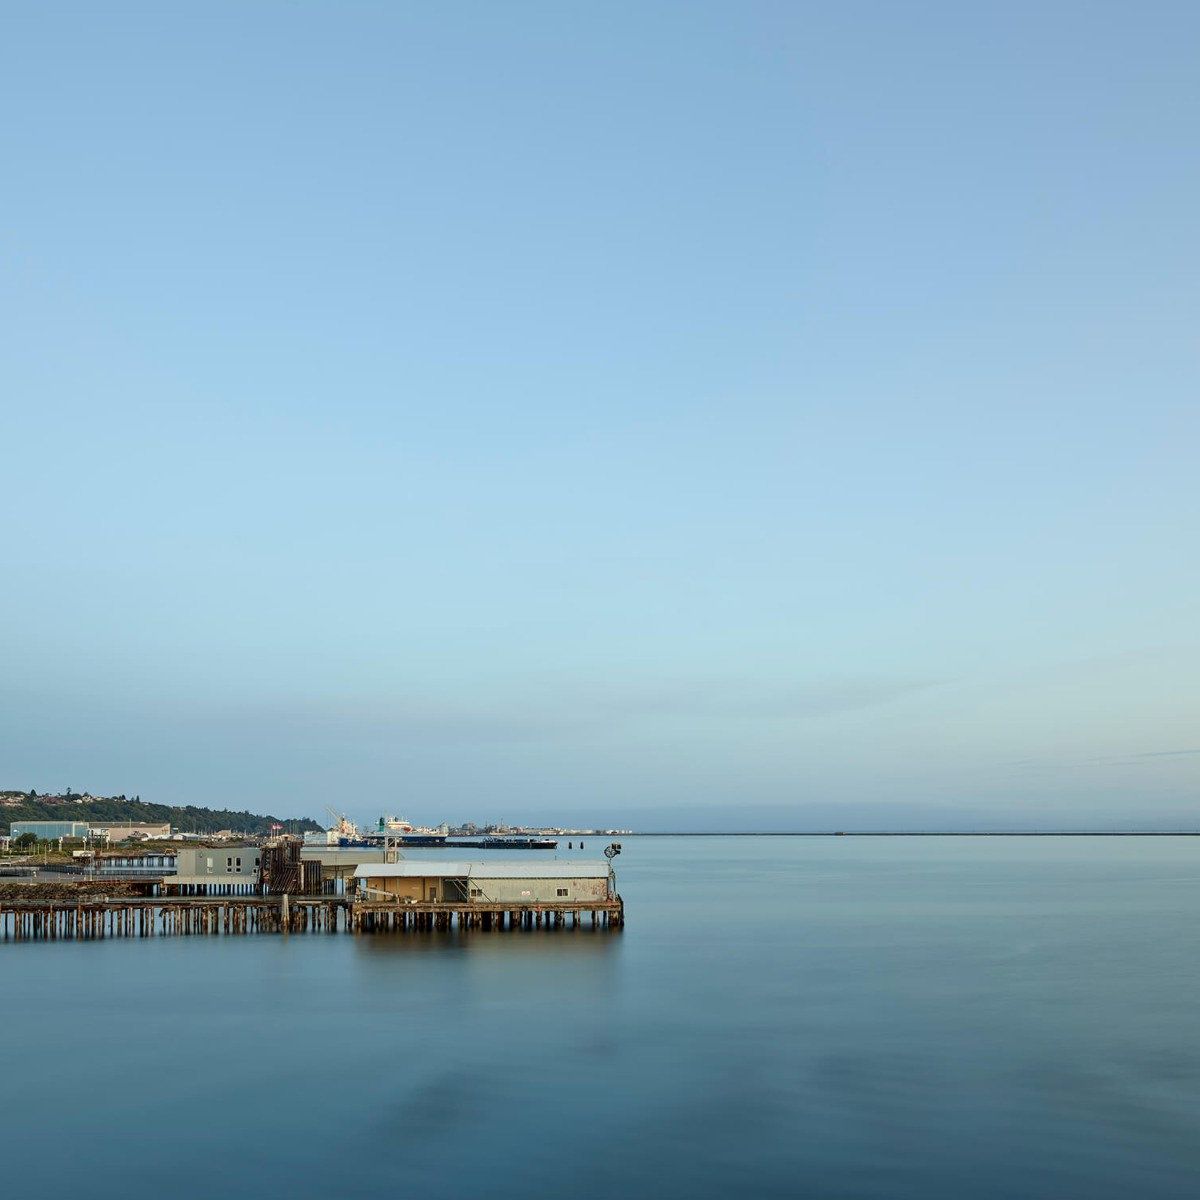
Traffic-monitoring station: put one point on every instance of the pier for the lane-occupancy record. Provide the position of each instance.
(92, 918)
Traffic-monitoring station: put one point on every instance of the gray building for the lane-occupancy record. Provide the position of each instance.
(505, 882)
(208, 870)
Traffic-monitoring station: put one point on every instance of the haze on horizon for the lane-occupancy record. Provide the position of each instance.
(713, 415)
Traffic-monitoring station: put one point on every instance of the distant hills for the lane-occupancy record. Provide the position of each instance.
(72, 806)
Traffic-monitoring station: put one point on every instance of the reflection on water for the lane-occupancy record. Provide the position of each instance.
(509, 945)
(843, 1017)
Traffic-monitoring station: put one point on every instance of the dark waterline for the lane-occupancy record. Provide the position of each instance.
(822, 1016)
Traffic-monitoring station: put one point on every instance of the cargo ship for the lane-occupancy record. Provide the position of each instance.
(344, 834)
(404, 833)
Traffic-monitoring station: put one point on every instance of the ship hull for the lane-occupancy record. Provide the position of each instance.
(506, 843)
(404, 839)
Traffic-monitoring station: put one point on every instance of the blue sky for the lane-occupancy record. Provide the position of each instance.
(681, 415)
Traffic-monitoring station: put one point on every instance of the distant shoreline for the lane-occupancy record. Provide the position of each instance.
(923, 833)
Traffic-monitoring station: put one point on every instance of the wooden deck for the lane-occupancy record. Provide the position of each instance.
(89, 918)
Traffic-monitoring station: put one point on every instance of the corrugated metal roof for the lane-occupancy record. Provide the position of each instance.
(557, 869)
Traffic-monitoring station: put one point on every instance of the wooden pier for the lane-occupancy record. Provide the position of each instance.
(89, 917)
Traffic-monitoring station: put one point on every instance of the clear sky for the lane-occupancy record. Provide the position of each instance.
(680, 415)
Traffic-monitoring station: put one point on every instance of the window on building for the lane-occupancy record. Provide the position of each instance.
(476, 891)
(562, 891)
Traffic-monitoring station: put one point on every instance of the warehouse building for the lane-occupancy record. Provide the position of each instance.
(486, 882)
(126, 831)
(50, 831)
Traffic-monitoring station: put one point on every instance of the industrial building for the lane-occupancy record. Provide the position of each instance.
(50, 831)
(570, 881)
(123, 831)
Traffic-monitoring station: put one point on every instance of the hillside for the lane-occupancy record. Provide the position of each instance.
(29, 806)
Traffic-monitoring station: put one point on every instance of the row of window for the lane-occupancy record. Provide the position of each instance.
(229, 864)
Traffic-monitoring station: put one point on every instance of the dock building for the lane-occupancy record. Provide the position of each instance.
(206, 871)
(517, 883)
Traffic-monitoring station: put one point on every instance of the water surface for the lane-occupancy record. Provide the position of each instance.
(825, 1017)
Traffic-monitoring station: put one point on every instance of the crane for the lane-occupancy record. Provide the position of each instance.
(341, 823)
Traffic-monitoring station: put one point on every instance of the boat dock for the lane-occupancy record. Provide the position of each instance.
(89, 918)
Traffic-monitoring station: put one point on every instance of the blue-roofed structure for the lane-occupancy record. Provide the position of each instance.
(50, 831)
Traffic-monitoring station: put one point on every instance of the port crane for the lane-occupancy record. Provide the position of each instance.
(341, 822)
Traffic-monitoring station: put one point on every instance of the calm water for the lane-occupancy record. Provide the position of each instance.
(826, 1017)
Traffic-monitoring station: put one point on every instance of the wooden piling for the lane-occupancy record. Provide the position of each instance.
(238, 915)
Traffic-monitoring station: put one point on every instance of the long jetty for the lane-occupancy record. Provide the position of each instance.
(91, 917)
